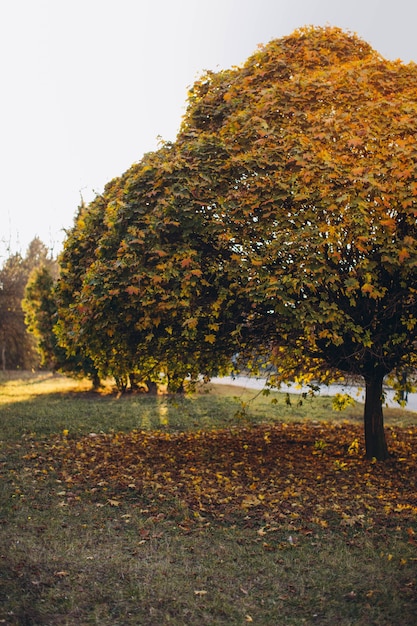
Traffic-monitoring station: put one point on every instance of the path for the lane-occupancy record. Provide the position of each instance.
(357, 393)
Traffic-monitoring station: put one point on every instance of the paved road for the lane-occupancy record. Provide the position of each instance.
(356, 392)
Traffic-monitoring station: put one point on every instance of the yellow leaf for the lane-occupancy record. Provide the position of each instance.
(191, 322)
(250, 501)
(367, 288)
(210, 338)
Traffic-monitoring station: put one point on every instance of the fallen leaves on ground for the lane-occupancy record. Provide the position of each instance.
(306, 473)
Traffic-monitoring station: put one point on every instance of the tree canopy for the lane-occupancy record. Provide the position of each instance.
(320, 133)
(142, 288)
(281, 222)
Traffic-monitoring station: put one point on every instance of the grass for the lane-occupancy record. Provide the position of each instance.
(44, 404)
(68, 557)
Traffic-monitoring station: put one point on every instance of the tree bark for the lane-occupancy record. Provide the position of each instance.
(96, 382)
(375, 443)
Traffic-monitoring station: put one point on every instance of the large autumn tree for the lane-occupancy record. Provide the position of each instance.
(317, 192)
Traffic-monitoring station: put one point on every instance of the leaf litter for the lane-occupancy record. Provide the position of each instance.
(303, 474)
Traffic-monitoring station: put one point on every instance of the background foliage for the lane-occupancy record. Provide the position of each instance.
(18, 347)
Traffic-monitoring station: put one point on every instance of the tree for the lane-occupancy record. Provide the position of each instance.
(40, 311)
(317, 195)
(12, 330)
(142, 287)
(281, 223)
(17, 345)
(40, 307)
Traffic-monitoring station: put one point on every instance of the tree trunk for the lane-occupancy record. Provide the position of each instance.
(96, 382)
(133, 382)
(375, 443)
(152, 388)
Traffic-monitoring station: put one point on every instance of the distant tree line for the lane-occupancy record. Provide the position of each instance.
(18, 347)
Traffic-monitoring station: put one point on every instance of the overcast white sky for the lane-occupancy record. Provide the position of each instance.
(89, 85)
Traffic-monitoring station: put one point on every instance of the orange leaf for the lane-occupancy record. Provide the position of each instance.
(404, 254)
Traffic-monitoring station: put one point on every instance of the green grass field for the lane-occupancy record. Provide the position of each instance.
(215, 508)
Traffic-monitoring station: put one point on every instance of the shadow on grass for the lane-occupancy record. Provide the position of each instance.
(84, 412)
(54, 403)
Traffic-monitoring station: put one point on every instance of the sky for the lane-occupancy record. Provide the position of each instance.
(89, 86)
